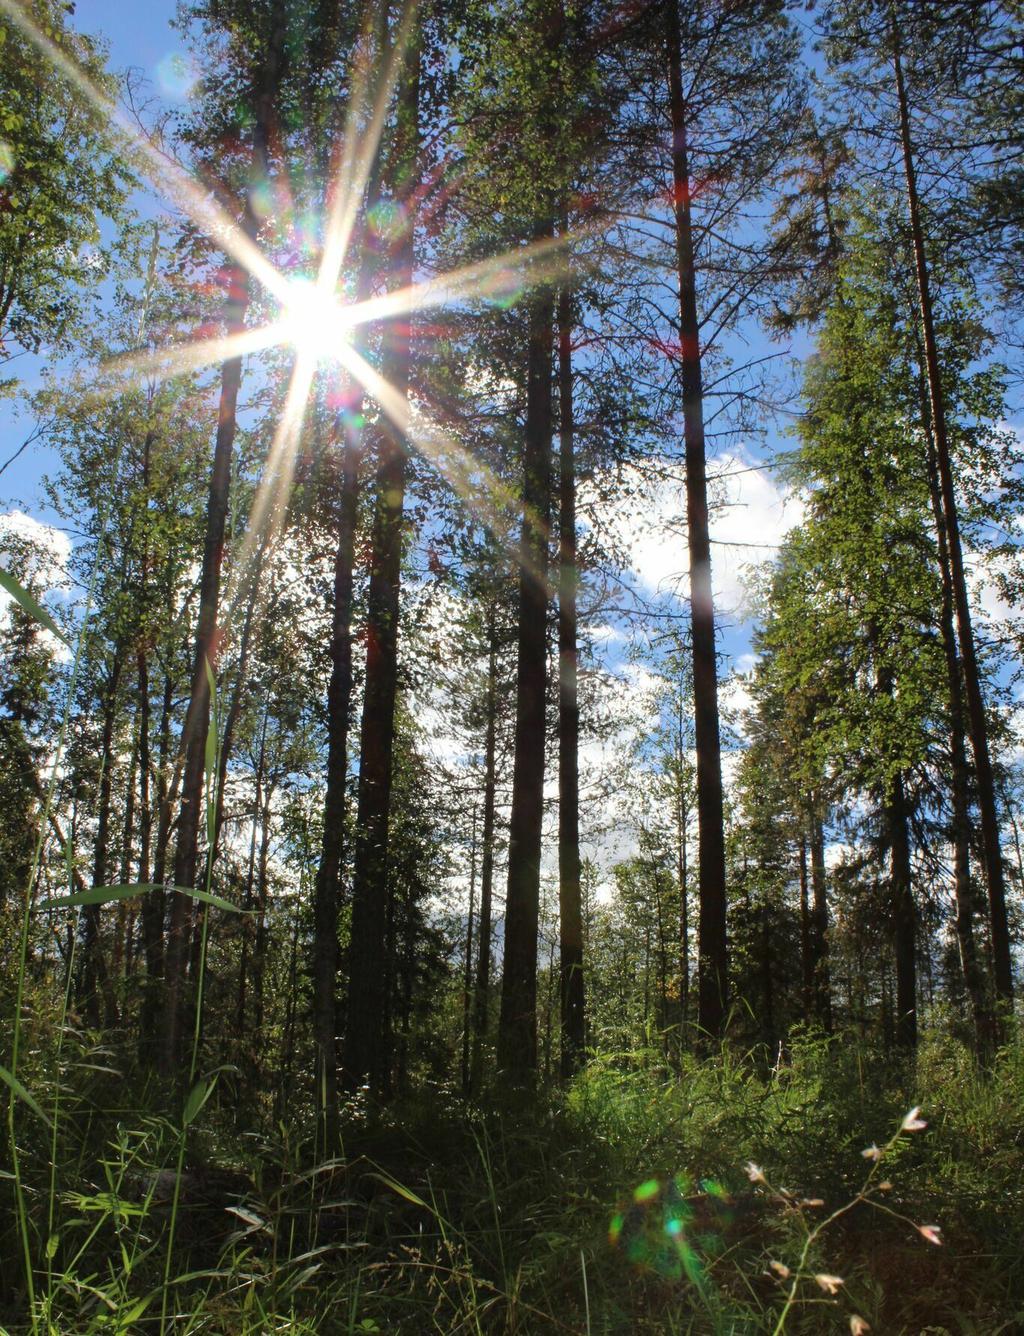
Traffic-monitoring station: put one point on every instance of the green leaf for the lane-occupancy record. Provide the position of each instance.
(211, 735)
(198, 1096)
(34, 609)
(10, 1080)
(102, 895)
(407, 1193)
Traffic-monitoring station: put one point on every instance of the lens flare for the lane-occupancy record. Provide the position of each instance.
(177, 75)
(314, 322)
(670, 1227)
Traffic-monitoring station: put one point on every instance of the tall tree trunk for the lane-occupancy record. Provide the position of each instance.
(467, 977)
(682, 872)
(234, 710)
(963, 887)
(517, 1020)
(248, 895)
(977, 722)
(197, 719)
(151, 905)
(570, 915)
(365, 1038)
(96, 975)
(259, 952)
(121, 961)
(483, 950)
(904, 915)
(806, 938)
(819, 923)
(327, 886)
(712, 965)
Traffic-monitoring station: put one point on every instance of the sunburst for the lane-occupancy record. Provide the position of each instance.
(311, 318)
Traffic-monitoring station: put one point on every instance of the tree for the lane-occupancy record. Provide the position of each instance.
(60, 175)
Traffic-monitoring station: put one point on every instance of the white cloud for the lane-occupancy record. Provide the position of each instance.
(46, 554)
(751, 514)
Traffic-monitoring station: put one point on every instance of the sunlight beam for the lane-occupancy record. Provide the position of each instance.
(163, 172)
(179, 358)
(470, 478)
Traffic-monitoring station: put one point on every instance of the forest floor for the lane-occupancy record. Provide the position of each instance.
(723, 1199)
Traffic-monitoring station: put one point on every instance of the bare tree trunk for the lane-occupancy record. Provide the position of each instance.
(806, 947)
(904, 915)
(517, 1021)
(366, 1040)
(977, 722)
(963, 888)
(327, 887)
(483, 951)
(151, 904)
(570, 915)
(96, 978)
(822, 987)
(207, 643)
(467, 977)
(712, 965)
(126, 908)
(248, 895)
(682, 871)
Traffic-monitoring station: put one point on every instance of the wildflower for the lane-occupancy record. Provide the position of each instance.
(857, 1325)
(872, 1153)
(781, 1270)
(830, 1284)
(931, 1233)
(912, 1123)
(885, 1186)
(754, 1172)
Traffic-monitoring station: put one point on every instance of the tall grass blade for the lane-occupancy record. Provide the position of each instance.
(12, 1082)
(102, 895)
(34, 609)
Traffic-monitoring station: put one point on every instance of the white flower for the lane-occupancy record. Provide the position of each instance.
(913, 1123)
(830, 1284)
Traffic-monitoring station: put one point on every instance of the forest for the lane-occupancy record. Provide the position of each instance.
(511, 667)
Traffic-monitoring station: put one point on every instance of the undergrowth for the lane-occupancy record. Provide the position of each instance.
(726, 1198)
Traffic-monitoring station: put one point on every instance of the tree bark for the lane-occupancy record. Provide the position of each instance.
(570, 915)
(822, 988)
(467, 977)
(977, 721)
(963, 887)
(483, 950)
(904, 915)
(712, 965)
(517, 1021)
(366, 1040)
(96, 980)
(327, 886)
(197, 720)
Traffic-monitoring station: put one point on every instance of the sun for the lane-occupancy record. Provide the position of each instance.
(314, 322)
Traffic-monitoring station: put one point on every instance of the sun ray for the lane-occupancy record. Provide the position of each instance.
(311, 319)
(529, 266)
(359, 154)
(268, 506)
(179, 358)
(165, 174)
(470, 478)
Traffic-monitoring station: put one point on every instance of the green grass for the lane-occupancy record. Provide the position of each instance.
(622, 1205)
